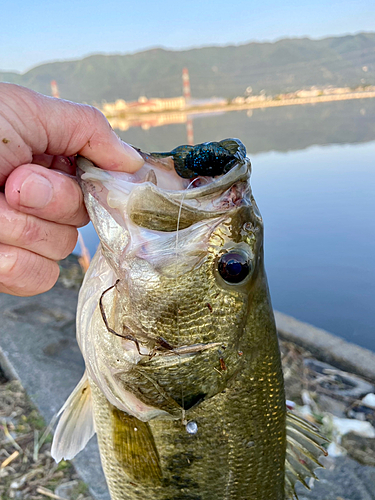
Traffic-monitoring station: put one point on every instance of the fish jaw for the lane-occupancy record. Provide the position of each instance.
(143, 260)
(130, 211)
(151, 261)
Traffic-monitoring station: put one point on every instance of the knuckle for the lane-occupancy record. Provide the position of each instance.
(39, 273)
(27, 232)
(30, 274)
(95, 113)
(51, 240)
(92, 116)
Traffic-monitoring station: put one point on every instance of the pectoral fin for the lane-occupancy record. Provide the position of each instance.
(76, 424)
(135, 448)
(304, 447)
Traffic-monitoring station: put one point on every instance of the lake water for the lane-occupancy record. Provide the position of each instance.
(314, 182)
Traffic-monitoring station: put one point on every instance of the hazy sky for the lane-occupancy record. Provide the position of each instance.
(36, 31)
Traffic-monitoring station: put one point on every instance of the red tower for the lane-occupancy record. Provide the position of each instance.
(54, 89)
(187, 95)
(186, 84)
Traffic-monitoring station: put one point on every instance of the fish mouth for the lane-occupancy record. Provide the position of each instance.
(157, 179)
(201, 169)
(155, 212)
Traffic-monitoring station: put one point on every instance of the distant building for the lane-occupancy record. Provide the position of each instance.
(239, 100)
(144, 105)
(256, 98)
(308, 93)
(147, 121)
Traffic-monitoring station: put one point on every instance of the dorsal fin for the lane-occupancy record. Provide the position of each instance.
(76, 424)
(304, 447)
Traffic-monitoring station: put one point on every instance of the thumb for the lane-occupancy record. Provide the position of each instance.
(59, 127)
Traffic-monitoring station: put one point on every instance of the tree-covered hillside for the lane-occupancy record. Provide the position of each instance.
(282, 66)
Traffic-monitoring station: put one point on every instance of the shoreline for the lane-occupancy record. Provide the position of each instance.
(326, 346)
(270, 103)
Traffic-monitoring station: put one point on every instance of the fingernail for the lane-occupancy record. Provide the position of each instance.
(36, 191)
(134, 156)
(7, 261)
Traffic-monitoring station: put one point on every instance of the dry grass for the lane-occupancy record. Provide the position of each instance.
(27, 470)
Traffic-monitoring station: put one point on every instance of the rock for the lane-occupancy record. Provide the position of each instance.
(346, 480)
(360, 448)
(68, 490)
(342, 384)
(362, 412)
(335, 450)
(369, 400)
(342, 426)
(331, 405)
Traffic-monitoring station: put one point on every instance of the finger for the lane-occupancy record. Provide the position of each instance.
(25, 273)
(62, 163)
(77, 128)
(48, 239)
(47, 194)
(36, 124)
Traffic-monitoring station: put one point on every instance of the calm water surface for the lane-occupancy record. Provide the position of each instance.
(314, 182)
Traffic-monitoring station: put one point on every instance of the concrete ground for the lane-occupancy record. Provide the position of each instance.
(37, 346)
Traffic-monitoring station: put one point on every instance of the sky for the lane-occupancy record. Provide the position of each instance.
(33, 32)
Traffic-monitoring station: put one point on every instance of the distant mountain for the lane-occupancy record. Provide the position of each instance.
(282, 66)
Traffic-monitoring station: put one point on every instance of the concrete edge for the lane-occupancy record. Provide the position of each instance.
(323, 345)
(7, 367)
(327, 347)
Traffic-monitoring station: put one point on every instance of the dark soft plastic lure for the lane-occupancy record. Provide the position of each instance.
(207, 159)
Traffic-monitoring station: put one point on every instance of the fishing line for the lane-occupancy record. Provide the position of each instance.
(183, 417)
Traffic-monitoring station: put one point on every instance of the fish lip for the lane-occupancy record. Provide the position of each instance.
(240, 172)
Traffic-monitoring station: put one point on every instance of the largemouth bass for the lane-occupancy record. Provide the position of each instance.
(183, 381)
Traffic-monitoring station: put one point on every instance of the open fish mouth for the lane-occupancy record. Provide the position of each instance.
(160, 200)
(158, 181)
(157, 215)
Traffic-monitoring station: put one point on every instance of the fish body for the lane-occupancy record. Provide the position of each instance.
(183, 381)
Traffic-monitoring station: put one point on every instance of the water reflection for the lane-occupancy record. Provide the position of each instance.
(271, 129)
(317, 203)
(318, 206)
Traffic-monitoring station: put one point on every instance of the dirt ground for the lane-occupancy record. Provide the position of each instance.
(27, 470)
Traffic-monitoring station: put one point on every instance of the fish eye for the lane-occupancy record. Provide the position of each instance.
(234, 267)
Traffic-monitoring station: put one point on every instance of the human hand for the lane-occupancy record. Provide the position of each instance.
(40, 206)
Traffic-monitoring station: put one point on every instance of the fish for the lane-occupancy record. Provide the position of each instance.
(183, 382)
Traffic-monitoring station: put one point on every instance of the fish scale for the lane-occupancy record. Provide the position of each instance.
(183, 381)
(223, 436)
(182, 316)
(246, 401)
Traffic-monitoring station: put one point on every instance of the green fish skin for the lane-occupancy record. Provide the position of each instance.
(183, 370)
(238, 451)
